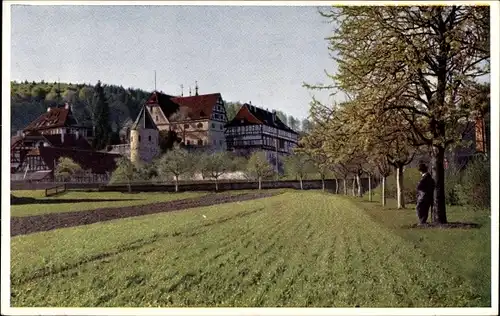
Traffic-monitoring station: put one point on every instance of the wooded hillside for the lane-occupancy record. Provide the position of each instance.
(30, 99)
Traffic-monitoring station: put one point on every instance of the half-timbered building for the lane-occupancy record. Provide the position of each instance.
(255, 129)
(55, 134)
(197, 120)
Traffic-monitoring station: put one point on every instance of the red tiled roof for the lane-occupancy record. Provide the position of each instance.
(249, 114)
(56, 117)
(98, 162)
(164, 101)
(194, 107)
(198, 106)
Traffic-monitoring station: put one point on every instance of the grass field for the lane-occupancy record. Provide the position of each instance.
(115, 199)
(295, 249)
(464, 252)
(94, 200)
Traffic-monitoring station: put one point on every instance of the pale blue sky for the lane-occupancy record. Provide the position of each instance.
(258, 54)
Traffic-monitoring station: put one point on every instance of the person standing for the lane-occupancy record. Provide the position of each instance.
(425, 194)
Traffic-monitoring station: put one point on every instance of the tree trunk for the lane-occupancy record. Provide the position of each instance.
(345, 186)
(370, 188)
(336, 186)
(358, 181)
(301, 187)
(400, 187)
(129, 187)
(260, 183)
(383, 190)
(354, 187)
(323, 184)
(439, 205)
(176, 183)
(216, 185)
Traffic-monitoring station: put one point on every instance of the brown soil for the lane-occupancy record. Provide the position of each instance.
(447, 225)
(45, 222)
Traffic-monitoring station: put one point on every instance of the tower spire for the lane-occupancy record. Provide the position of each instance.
(189, 91)
(182, 90)
(196, 87)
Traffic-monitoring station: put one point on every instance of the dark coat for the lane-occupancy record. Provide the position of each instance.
(425, 189)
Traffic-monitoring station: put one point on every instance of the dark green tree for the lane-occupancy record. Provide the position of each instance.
(100, 120)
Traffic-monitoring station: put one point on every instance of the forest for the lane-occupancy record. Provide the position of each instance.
(30, 99)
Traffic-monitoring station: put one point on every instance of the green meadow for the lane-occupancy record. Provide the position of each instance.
(296, 249)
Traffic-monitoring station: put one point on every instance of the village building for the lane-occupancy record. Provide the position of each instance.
(256, 129)
(144, 138)
(56, 133)
(197, 120)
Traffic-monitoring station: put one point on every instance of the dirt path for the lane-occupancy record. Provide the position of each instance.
(45, 222)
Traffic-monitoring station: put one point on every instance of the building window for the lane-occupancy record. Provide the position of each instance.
(186, 126)
(215, 142)
(157, 118)
(139, 137)
(200, 142)
(220, 142)
(149, 137)
(200, 125)
(213, 125)
(188, 142)
(221, 127)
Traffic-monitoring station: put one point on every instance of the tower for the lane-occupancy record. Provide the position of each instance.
(144, 138)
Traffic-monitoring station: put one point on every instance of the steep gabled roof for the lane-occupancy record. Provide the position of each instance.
(250, 115)
(164, 101)
(55, 117)
(198, 106)
(144, 120)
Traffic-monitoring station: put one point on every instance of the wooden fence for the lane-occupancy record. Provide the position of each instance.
(55, 190)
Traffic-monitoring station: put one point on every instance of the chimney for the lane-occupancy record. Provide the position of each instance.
(274, 115)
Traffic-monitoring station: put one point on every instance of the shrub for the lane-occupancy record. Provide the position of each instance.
(411, 176)
(452, 178)
(474, 189)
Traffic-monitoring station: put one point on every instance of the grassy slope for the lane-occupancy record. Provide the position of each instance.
(463, 252)
(296, 249)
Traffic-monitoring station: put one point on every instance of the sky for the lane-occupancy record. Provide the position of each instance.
(246, 53)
